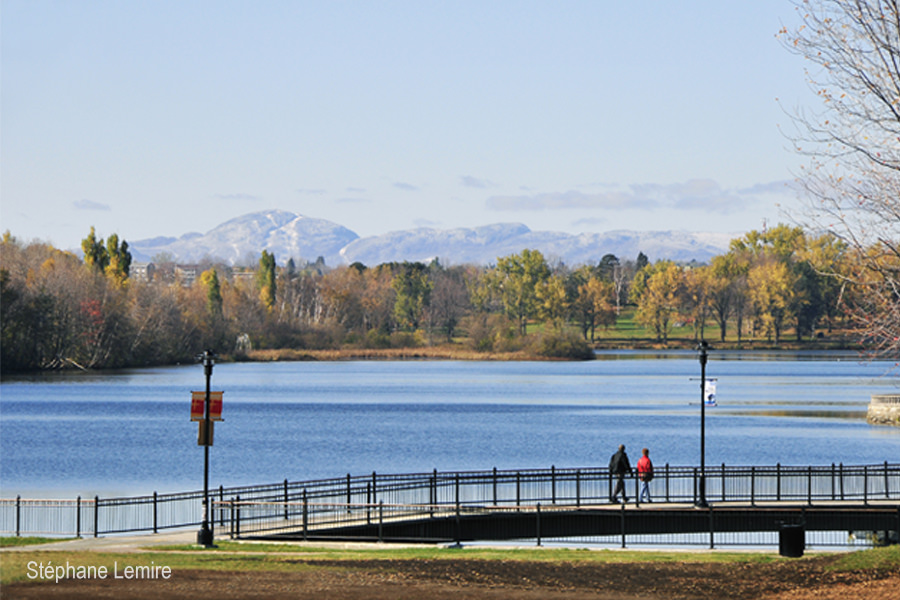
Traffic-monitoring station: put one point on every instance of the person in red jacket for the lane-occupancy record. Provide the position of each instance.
(645, 474)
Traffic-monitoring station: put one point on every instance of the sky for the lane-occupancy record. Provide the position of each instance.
(159, 118)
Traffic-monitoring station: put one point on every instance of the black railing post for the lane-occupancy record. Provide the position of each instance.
(432, 493)
(832, 482)
(887, 494)
(841, 475)
(374, 487)
(495, 485)
(96, 516)
(457, 491)
(237, 520)
(578, 488)
(305, 516)
(368, 503)
(349, 498)
(538, 524)
(78, 518)
(622, 512)
(809, 480)
(231, 519)
(752, 486)
(155, 512)
(778, 481)
(518, 490)
(712, 528)
(285, 499)
(458, 527)
(553, 480)
(222, 510)
(723, 482)
(866, 484)
(18, 515)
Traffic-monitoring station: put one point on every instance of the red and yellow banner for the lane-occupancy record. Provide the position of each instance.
(198, 400)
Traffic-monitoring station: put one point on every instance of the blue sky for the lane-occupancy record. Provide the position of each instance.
(149, 118)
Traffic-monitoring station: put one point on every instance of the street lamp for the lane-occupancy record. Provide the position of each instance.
(205, 535)
(702, 347)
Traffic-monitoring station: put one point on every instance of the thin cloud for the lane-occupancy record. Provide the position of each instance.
(356, 190)
(785, 186)
(590, 222)
(702, 195)
(85, 204)
(406, 187)
(237, 196)
(476, 182)
(563, 200)
(311, 192)
(346, 200)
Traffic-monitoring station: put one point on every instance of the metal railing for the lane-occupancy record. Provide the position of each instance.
(711, 526)
(568, 487)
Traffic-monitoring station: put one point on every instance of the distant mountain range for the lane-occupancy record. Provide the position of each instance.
(287, 235)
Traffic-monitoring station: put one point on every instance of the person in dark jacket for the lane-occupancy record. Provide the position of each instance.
(619, 467)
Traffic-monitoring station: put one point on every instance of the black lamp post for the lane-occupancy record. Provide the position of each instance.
(205, 535)
(702, 348)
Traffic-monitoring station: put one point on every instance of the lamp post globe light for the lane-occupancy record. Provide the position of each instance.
(702, 348)
(205, 535)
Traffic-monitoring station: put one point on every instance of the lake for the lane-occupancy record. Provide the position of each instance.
(129, 432)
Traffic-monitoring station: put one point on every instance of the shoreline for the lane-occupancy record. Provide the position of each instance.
(458, 352)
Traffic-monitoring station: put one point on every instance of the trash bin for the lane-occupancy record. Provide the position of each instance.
(791, 540)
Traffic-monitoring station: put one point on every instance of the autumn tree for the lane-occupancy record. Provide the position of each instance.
(449, 299)
(412, 285)
(657, 296)
(552, 300)
(95, 254)
(593, 305)
(852, 182)
(265, 279)
(113, 259)
(515, 280)
(118, 259)
(770, 285)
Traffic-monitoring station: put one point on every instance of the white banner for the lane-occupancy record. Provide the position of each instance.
(709, 392)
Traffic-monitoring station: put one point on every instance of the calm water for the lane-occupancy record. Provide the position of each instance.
(128, 432)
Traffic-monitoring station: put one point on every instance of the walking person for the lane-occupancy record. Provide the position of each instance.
(619, 467)
(645, 474)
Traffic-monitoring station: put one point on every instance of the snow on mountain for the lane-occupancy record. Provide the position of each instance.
(287, 235)
(282, 233)
(483, 245)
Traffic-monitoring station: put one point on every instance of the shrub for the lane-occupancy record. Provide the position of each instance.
(561, 344)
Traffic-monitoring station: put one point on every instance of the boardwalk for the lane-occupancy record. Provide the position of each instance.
(746, 505)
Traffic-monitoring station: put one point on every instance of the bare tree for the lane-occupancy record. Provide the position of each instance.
(852, 182)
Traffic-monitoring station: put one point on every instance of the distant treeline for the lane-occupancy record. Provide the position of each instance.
(60, 311)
